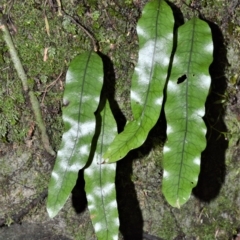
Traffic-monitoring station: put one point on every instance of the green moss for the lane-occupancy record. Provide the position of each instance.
(11, 107)
(206, 230)
(128, 2)
(167, 229)
(44, 58)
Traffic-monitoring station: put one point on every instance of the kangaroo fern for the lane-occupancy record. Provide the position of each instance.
(184, 110)
(84, 82)
(155, 33)
(100, 183)
(90, 140)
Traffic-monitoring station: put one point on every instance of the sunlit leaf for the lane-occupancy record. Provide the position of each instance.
(187, 90)
(155, 32)
(100, 184)
(82, 93)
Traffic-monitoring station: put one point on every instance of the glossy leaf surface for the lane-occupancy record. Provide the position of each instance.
(155, 32)
(187, 91)
(100, 183)
(82, 93)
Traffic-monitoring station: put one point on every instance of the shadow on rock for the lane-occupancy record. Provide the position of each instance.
(131, 221)
(29, 231)
(130, 216)
(79, 199)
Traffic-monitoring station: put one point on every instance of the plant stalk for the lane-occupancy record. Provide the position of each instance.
(22, 75)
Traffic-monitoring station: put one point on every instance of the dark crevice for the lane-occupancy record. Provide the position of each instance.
(131, 220)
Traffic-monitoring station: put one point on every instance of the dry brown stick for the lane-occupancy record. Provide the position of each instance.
(22, 75)
(49, 86)
(59, 7)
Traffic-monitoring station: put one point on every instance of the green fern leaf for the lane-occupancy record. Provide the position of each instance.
(100, 183)
(187, 91)
(155, 32)
(84, 82)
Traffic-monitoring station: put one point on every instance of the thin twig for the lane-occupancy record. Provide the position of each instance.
(59, 7)
(14, 56)
(85, 30)
(22, 75)
(49, 86)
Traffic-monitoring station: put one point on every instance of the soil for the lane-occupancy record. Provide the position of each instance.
(46, 43)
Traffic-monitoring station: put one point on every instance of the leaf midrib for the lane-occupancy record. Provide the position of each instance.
(100, 167)
(80, 105)
(141, 118)
(152, 65)
(186, 97)
(75, 141)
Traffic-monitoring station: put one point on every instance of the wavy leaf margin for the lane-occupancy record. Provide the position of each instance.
(100, 183)
(155, 32)
(184, 109)
(84, 81)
